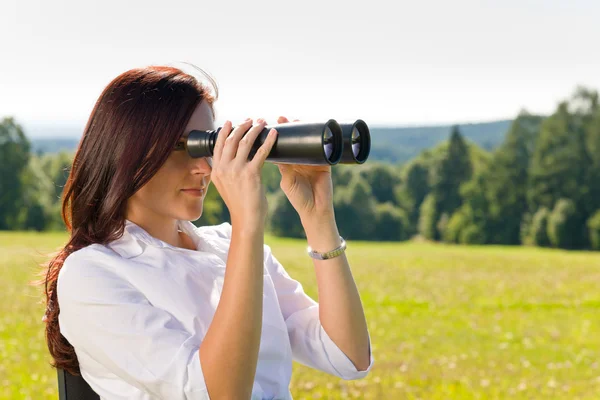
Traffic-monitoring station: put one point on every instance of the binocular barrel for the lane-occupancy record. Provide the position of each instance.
(309, 143)
(357, 142)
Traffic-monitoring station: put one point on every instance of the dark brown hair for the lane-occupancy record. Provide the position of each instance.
(134, 125)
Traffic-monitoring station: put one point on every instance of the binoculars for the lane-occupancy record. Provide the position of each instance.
(309, 143)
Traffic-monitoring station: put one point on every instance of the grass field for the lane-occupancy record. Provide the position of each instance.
(447, 322)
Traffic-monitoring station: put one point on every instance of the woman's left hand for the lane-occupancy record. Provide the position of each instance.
(308, 187)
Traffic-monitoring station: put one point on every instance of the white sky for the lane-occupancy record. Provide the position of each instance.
(387, 62)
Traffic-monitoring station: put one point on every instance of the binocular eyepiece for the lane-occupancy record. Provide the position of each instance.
(309, 143)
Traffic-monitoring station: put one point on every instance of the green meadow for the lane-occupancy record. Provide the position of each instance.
(446, 322)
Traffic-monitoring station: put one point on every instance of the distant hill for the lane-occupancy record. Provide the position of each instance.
(390, 144)
(53, 145)
(53, 138)
(400, 144)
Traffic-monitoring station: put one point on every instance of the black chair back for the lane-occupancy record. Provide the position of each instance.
(72, 387)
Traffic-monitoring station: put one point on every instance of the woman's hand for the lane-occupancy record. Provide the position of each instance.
(308, 187)
(237, 179)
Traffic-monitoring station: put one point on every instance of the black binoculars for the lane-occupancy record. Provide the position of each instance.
(309, 143)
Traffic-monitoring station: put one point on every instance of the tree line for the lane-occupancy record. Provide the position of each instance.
(541, 187)
(31, 187)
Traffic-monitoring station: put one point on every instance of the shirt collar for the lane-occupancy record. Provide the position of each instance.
(135, 239)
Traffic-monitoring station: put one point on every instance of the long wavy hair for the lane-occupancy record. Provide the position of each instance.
(134, 125)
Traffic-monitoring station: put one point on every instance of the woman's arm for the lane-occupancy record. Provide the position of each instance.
(229, 352)
(340, 308)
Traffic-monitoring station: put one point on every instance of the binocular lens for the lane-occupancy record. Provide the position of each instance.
(328, 143)
(355, 142)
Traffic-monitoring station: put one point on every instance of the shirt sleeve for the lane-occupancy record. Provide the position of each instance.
(110, 321)
(311, 345)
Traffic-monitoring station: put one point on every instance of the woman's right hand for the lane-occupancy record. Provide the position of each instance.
(238, 180)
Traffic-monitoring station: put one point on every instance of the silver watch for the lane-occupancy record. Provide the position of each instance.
(329, 254)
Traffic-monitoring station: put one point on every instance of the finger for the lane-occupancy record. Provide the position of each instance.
(247, 141)
(296, 120)
(282, 120)
(263, 151)
(223, 133)
(230, 146)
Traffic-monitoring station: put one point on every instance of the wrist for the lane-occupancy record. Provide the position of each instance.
(250, 225)
(316, 221)
(323, 236)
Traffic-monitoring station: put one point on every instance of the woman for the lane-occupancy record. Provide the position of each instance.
(143, 304)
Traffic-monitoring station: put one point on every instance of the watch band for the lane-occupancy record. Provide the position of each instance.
(329, 254)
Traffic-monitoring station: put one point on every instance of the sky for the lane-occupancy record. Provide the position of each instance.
(387, 62)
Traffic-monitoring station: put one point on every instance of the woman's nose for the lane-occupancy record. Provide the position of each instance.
(202, 164)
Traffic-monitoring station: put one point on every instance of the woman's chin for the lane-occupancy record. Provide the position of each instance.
(190, 213)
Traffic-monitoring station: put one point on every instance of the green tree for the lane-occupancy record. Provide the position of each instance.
(422, 175)
(411, 193)
(355, 210)
(525, 231)
(476, 205)
(454, 169)
(36, 208)
(392, 222)
(560, 165)
(428, 217)
(14, 153)
(442, 225)
(593, 225)
(56, 168)
(537, 234)
(456, 224)
(473, 234)
(341, 175)
(382, 179)
(593, 145)
(563, 224)
(506, 180)
(283, 219)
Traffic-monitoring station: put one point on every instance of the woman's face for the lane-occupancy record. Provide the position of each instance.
(163, 197)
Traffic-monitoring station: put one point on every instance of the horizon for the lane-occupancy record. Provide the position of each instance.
(73, 125)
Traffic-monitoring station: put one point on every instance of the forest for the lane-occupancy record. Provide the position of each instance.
(539, 185)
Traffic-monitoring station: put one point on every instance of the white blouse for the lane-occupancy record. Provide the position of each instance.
(137, 309)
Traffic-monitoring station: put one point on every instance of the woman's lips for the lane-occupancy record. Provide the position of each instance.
(193, 192)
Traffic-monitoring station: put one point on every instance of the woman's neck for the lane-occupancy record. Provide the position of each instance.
(165, 229)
